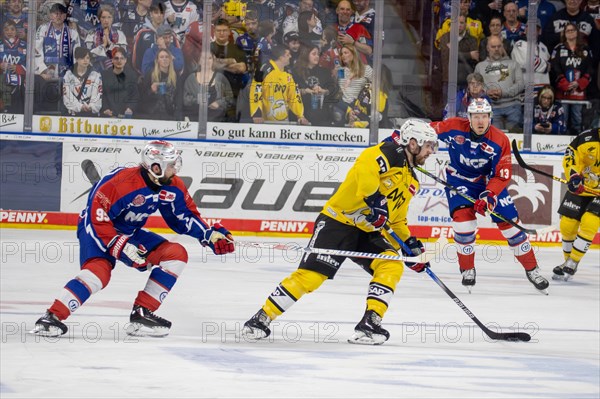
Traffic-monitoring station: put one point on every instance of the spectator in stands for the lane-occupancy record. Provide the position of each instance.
(572, 68)
(180, 14)
(84, 16)
(359, 115)
(504, 86)
(221, 104)
(12, 69)
(161, 89)
(316, 86)
(54, 46)
(165, 38)
(82, 87)
(104, 39)
(474, 26)
(365, 15)
(134, 19)
(272, 99)
(354, 34)
(291, 40)
(592, 7)
(330, 52)
(474, 89)
(307, 20)
(548, 115)
(290, 23)
(266, 30)
(545, 11)
(495, 28)
(14, 12)
(352, 77)
(513, 30)
(541, 63)
(120, 95)
(571, 13)
(146, 36)
(468, 55)
(248, 41)
(230, 59)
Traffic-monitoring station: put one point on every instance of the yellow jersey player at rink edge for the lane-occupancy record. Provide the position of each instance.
(376, 191)
(580, 209)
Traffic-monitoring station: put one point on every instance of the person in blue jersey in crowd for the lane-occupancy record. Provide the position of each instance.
(480, 166)
(110, 228)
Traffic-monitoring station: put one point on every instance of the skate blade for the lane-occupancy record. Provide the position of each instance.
(469, 288)
(567, 277)
(139, 330)
(53, 332)
(363, 339)
(542, 291)
(558, 277)
(253, 334)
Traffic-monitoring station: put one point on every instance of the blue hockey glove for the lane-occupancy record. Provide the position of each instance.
(575, 183)
(127, 253)
(379, 210)
(486, 203)
(219, 239)
(416, 248)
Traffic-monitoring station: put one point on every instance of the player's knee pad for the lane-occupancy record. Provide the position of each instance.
(464, 224)
(569, 228)
(589, 226)
(170, 256)
(303, 281)
(95, 274)
(387, 272)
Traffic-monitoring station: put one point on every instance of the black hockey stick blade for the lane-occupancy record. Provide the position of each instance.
(500, 336)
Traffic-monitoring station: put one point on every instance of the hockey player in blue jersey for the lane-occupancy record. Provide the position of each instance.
(481, 167)
(110, 228)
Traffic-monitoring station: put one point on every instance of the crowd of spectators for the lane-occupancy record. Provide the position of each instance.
(288, 61)
(566, 86)
(272, 61)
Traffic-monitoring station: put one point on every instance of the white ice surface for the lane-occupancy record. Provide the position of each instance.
(435, 350)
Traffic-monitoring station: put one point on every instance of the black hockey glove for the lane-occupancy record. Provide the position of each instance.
(416, 248)
(379, 210)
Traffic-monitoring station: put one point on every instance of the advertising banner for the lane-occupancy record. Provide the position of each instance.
(11, 123)
(121, 128)
(279, 190)
(290, 133)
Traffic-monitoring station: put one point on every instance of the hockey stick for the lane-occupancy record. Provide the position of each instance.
(522, 164)
(507, 336)
(542, 230)
(423, 258)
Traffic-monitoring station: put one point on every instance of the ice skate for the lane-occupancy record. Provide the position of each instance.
(565, 271)
(557, 273)
(368, 331)
(468, 278)
(569, 269)
(144, 323)
(257, 327)
(49, 326)
(538, 281)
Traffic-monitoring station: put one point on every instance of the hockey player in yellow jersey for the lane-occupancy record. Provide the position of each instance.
(375, 193)
(580, 209)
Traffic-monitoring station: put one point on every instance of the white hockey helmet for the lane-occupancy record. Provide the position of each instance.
(163, 154)
(479, 106)
(416, 129)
